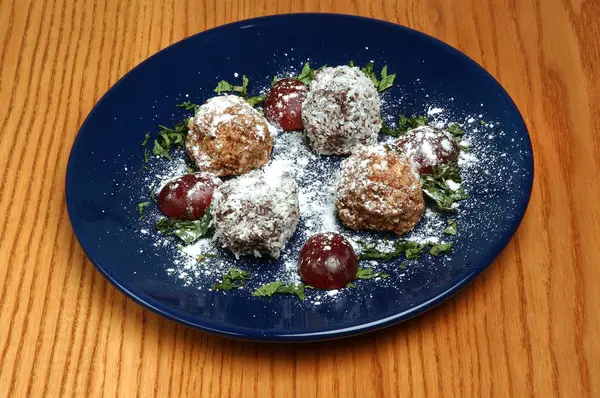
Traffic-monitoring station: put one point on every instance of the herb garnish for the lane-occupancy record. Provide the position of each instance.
(278, 287)
(203, 256)
(169, 138)
(384, 82)
(436, 187)
(405, 124)
(258, 99)
(146, 139)
(140, 209)
(189, 106)
(187, 231)
(368, 273)
(409, 249)
(440, 248)
(225, 86)
(452, 227)
(455, 130)
(233, 279)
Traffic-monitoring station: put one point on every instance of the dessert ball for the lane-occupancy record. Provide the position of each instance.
(379, 190)
(428, 147)
(342, 111)
(283, 105)
(228, 137)
(256, 213)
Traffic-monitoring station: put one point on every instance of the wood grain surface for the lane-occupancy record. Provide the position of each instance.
(529, 326)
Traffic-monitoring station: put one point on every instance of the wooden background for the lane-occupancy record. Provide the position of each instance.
(527, 327)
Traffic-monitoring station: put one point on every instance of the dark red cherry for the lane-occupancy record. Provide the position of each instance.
(327, 261)
(187, 197)
(428, 148)
(283, 105)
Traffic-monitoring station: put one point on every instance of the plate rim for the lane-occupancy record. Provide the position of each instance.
(326, 333)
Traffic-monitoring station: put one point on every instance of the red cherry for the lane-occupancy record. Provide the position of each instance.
(187, 197)
(428, 148)
(283, 105)
(328, 261)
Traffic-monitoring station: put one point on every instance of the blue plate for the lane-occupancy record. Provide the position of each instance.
(102, 185)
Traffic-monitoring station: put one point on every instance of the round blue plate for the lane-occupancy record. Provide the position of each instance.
(106, 161)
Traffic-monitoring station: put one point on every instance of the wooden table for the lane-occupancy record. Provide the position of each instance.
(528, 326)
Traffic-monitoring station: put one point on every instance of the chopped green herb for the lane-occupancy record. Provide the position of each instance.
(187, 231)
(482, 122)
(190, 170)
(351, 285)
(405, 124)
(146, 139)
(455, 130)
(278, 287)
(159, 151)
(140, 209)
(203, 256)
(307, 74)
(351, 63)
(275, 80)
(402, 266)
(452, 227)
(233, 279)
(386, 81)
(440, 248)
(145, 155)
(368, 70)
(256, 100)
(189, 106)
(435, 186)
(409, 249)
(413, 250)
(225, 86)
(368, 273)
(164, 225)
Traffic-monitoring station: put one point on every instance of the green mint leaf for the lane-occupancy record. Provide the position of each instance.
(307, 75)
(140, 209)
(203, 256)
(351, 285)
(413, 250)
(267, 290)
(159, 151)
(298, 290)
(146, 139)
(386, 82)
(223, 86)
(191, 231)
(440, 248)
(452, 227)
(188, 106)
(368, 70)
(368, 273)
(435, 186)
(163, 225)
(278, 287)
(455, 130)
(385, 129)
(243, 89)
(256, 100)
(275, 80)
(233, 279)
(351, 63)
(384, 72)
(402, 266)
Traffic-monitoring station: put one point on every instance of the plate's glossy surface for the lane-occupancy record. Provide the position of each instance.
(106, 157)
